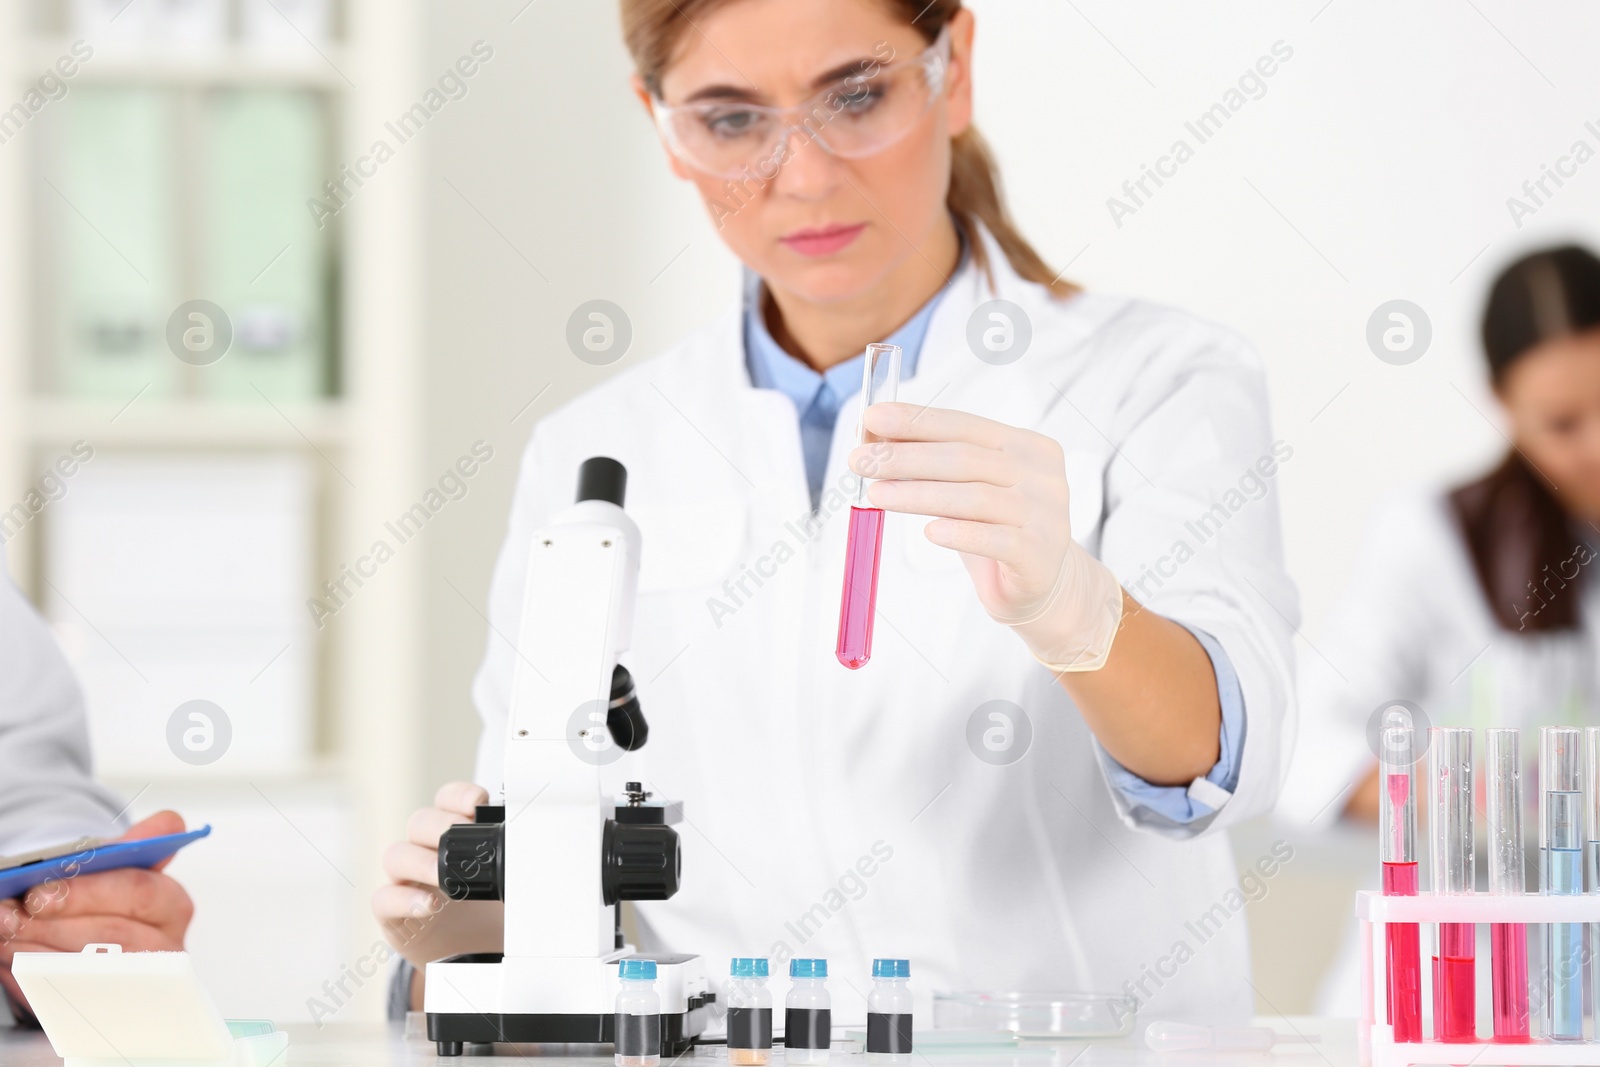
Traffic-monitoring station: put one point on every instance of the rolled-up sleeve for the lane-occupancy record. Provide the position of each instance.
(1175, 807)
(1191, 529)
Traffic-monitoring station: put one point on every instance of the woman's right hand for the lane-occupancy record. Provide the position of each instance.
(419, 921)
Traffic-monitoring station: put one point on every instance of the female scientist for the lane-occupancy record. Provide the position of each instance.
(1024, 788)
(1476, 604)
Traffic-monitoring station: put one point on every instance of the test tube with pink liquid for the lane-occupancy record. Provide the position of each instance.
(1450, 788)
(880, 378)
(1508, 942)
(1397, 816)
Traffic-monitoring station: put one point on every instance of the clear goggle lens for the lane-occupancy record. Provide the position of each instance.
(859, 116)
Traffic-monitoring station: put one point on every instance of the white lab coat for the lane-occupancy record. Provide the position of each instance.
(841, 813)
(1413, 624)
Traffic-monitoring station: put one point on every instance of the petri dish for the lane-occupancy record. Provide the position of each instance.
(1037, 1015)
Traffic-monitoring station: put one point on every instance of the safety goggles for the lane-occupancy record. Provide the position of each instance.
(859, 115)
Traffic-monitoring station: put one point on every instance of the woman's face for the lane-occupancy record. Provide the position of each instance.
(1552, 395)
(823, 229)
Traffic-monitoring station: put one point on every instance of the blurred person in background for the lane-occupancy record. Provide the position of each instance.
(48, 797)
(1476, 603)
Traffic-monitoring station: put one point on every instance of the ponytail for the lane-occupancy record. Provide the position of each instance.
(975, 196)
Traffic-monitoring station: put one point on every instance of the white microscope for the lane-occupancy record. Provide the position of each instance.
(560, 854)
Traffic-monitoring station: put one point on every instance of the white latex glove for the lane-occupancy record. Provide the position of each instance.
(418, 920)
(999, 496)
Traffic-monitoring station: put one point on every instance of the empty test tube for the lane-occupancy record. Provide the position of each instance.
(1591, 846)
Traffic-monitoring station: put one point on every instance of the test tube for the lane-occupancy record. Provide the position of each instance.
(1591, 845)
(1561, 874)
(880, 378)
(1450, 785)
(1397, 849)
(1508, 942)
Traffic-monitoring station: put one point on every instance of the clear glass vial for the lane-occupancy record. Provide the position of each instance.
(749, 1013)
(808, 1015)
(638, 1023)
(889, 1012)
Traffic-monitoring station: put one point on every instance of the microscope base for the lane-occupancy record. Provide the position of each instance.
(483, 998)
(451, 1032)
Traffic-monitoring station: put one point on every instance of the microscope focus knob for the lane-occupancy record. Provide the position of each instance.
(639, 861)
(471, 861)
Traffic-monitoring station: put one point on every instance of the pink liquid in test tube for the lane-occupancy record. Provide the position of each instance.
(1453, 987)
(1508, 947)
(1404, 943)
(1450, 789)
(1397, 849)
(858, 602)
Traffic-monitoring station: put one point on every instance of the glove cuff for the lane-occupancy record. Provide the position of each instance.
(1078, 633)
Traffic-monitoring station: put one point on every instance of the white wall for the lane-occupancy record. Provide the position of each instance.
(549, 167)
(1376, 166)
(1390, 141)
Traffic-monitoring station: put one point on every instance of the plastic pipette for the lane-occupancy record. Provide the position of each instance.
(1165, 1036)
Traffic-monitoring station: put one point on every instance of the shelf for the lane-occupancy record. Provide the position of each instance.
(370, 679)
(225, 65)
(195, 423)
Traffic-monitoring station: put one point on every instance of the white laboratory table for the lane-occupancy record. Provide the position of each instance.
(380, 1045)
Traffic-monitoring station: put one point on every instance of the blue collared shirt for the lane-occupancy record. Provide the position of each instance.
(817, 398)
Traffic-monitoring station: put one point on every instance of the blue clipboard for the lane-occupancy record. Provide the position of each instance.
(108, 857)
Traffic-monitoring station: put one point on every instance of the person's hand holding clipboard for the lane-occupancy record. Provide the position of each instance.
(113, 892)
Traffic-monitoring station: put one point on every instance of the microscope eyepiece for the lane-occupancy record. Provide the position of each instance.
(602, 478)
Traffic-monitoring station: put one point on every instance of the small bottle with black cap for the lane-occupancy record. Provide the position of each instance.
(749, 1013)
(638, 1022)
(889, 1012)
(807, 1017)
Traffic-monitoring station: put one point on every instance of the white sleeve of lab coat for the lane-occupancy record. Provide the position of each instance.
(1191, 530)
(47, 794)
(1371, 650)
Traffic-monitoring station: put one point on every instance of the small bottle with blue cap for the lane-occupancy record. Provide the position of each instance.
(638, 1023)
(889, 1012)
(808, 1016)
(749, 1013)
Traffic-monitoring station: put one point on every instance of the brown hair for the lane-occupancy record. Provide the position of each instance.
(1522, 542)
(652, 30)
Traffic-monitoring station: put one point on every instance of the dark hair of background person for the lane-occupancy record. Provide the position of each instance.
(654, 29)
(1522, 541)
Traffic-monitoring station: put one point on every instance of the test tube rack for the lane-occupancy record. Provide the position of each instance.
(1374, 911)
